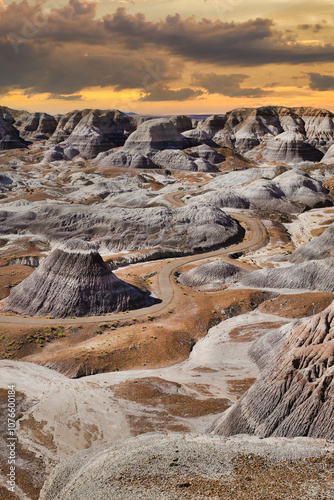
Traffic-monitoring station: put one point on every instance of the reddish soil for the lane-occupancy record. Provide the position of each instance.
(297, 306)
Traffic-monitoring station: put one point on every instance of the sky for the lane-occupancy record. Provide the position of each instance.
(166, 57)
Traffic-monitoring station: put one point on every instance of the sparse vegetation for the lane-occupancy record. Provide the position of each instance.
(42, 336)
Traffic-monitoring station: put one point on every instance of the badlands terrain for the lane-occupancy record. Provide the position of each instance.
(172, 276)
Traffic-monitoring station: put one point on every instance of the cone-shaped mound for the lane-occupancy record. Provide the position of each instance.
(74, 281)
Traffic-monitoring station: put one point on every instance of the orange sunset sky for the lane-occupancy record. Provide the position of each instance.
(166, 57)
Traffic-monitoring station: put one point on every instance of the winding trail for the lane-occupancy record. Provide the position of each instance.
(255, 238)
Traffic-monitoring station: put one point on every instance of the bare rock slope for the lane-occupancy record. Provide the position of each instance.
(318, 248)
(292, 191)
(170, 466)
(155, 144)
(185, 229)
(294, 394)
(74, 281)
(278, 133)
(271, 133)
(312, 275)
(9, 136)
(91, 132)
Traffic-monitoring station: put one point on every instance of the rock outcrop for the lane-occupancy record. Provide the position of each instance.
(91, 132)
(329, 154)
(294, 394)
(318, 126)
(221, 198)
(66, 125)
(36, 126)
(177, 159)
(213, 124)
(181, 122)
(302, 189)
(74, 281)
(207, 153)
(291, 191)
(155, 134)
(266, 134)
(288, 147)
(279, 134)
(158, 137)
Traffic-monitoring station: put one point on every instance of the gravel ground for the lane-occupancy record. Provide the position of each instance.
(170, 466)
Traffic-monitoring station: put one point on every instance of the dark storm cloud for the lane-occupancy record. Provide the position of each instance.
(321, 82)
(69, 48)
(250, 43)
(165, 94)
(228, 85)
(58, 70)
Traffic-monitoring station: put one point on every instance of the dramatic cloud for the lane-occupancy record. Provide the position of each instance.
(321, 82)
(165, 94)
(250, 43)
(70, 48)
(228, 85)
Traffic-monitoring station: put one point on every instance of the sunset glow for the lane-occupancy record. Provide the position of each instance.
(162, 57)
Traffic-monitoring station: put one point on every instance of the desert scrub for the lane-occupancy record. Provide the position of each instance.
(10, 349)
(40, 337)
(11, 285)
(114, 325)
